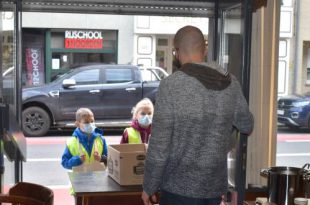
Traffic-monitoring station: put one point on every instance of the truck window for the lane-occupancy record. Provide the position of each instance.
(118, 75)
(86, 77)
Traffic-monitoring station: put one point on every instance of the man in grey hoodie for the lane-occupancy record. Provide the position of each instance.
(196, 110)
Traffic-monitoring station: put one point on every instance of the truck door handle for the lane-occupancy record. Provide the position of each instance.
(94, 91)
(130, 89)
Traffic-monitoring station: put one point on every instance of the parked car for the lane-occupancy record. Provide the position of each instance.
(294, 112)
(110, 91)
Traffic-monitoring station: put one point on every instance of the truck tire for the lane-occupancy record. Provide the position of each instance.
(35, 122)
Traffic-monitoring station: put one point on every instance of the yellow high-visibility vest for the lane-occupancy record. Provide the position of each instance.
(134, 136)
(77, 149)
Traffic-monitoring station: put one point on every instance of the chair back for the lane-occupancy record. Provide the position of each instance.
(21, 200)
(34, 191)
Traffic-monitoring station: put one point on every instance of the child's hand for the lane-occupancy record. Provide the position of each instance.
(97, 156)
(82, 157)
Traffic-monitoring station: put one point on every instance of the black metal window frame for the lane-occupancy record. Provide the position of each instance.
(197, 8)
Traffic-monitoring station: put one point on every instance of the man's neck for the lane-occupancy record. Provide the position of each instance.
(192, 59)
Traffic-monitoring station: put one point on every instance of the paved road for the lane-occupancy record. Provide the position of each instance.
(293, 147)
(44, 158)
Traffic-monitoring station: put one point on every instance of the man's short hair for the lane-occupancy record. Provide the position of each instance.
(189, 39)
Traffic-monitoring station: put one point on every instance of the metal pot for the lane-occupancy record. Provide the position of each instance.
(286, 183)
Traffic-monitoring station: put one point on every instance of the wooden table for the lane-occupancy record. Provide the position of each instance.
(93, 188)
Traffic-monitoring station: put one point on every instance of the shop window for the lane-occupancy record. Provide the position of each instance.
(308, 75)
(33, 57)
(282, 72)
(282, 48)
(10, 39)
(162, 42)
(145, 46)
(308, 66)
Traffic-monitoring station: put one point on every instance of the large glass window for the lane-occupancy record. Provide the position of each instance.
(8, 55)
(230, 58)
(130, 40)
(231, 42)
(293, 107)
(8, 94)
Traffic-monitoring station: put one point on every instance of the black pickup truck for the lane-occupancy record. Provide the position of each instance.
(110, 91)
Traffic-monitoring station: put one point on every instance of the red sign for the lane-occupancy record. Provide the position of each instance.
(83, 39)
(84, 43)
(35, 66)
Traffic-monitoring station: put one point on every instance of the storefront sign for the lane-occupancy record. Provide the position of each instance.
(35, 67)
(83, 39)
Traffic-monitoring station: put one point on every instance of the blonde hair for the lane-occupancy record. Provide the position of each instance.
(145, 102)
(83, 113)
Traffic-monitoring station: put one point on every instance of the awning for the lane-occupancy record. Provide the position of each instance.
(198, 8)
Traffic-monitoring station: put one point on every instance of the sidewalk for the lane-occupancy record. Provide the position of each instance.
(62, 196)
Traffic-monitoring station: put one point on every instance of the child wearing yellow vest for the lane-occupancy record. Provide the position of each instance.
(140, 129)
(86, 144)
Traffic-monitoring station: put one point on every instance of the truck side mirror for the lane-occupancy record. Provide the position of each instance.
(68, 83)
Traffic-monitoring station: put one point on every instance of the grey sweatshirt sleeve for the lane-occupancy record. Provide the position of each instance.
(243, 118)
(158, 149)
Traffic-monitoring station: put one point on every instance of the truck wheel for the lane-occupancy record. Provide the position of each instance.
(35, 122)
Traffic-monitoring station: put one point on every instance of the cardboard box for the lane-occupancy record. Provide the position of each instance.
(126, 163)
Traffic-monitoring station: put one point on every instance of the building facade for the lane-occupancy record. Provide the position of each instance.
(294, 48)
(56, 42)
(153, 38)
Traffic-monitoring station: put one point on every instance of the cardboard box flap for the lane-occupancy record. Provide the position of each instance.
(129, 148)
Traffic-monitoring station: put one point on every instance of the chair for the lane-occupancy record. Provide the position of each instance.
(33, 194)
(21, 200)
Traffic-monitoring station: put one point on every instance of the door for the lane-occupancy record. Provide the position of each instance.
(164, 47)
(86, 93)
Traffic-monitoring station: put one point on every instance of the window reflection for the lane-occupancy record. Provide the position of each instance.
(8, 78)
(231, 42)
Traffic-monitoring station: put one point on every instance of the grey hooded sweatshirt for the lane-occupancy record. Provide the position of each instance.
(196, 110)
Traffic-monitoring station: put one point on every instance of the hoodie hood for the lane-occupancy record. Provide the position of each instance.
(209, 74)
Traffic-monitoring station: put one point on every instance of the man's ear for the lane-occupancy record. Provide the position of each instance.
(206, 51)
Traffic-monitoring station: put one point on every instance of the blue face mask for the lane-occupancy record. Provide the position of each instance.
(88, 127)
(145, 121)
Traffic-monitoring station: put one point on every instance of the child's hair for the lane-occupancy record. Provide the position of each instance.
(145, 102)
(83, 113)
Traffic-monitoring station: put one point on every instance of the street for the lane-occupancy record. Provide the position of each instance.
(43, 164)
(293, 147)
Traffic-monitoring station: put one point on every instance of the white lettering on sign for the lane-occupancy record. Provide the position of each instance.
(35, 67)
(83, 34)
